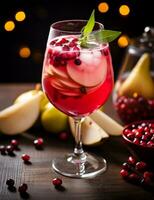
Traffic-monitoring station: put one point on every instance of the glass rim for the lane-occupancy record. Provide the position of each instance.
(73, 20)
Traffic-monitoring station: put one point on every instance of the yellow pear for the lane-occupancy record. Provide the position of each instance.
(107, 123)
(21, 116)
(139, 80)
(29, 94)
(92, 133)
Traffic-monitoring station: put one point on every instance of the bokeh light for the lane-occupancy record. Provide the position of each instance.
(9, 26)
(124, 10)
(24, 52)
(103, 7)
(123, 41)
(20, 16)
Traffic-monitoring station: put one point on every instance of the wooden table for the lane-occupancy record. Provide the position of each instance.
(38, 175)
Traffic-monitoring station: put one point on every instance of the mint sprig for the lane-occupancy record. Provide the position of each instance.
(99, 36)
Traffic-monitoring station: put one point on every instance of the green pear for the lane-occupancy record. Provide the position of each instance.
(53, 120)
(139, 80)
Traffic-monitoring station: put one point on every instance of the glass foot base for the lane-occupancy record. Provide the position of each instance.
(71, 167)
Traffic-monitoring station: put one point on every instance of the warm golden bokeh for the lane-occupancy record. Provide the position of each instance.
(9, 26)
(24, 52)
(103, 7)
(123, 41)
(124, 10)
(20, 16)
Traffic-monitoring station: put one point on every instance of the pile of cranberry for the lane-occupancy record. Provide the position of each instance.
(132, 109)
(141, 134)
(136, 172)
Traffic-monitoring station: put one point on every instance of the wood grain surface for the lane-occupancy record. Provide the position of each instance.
(38, 175)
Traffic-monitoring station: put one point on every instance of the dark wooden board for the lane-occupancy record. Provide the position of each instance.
(38, 175)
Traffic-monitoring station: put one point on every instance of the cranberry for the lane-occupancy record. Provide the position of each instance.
(152, 139)
(72, 44)
(131, 160)
(14, 143)
(38, 143)
(9, 149)
(143, 143)
(125, 166)
(136, 141)
(130, 136)
(124, 173)
(3, 149)
(146, 129)
(10, 182)
(145, 137)
(126, 131)
(63, 136)
(57, 182)
(140, 129)
(77, 61)
(25, 157)
(150, 144)
(53, 42)
(138, 135)
(23, 188)
(64, 40)
(65, 48)
(148, 174)
(141, 166)
(152, 131)
(122, 106)
(143, 124)
(133, 177)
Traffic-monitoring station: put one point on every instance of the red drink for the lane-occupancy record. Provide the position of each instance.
(77, 80)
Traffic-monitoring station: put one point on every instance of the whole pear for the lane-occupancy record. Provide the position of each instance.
(53, 120)
(139, 80)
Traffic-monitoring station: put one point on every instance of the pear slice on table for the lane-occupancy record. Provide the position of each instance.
(107, 123)
(139, 80)
(91, 132)
(20, 116)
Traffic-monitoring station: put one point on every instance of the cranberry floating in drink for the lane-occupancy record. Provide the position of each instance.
(134, 89)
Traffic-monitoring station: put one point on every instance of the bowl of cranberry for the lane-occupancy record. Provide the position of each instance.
(139, 137)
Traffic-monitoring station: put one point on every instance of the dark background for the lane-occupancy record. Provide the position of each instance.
(33, 31)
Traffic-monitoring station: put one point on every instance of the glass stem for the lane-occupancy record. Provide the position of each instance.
(78, 150)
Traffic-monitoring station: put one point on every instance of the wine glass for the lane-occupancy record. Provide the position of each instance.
(77, 80)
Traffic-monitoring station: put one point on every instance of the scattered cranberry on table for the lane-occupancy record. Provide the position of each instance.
(10, 182)
(39, 143)
(136, 171)
(57, 182)
(25, 157)
(23, 188)
(3, 150)
(15, 143)
(10, 149)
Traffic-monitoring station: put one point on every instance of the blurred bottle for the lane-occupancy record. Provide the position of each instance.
(135, 106)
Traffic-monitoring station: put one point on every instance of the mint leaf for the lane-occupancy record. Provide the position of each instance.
(90, 25)
(99, 36)
(106, 35)
(87, 29)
